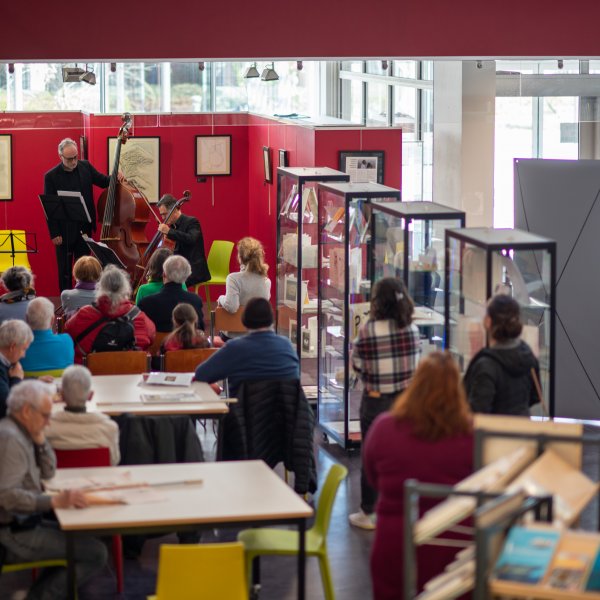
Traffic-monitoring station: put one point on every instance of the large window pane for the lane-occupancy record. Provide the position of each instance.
(560, 133)
(356, 66)
(405, 68)
(352, 101)
(405, 111)
(134, 87)
(374, 67)
(230, 92)
(190, 87)
(377, 105)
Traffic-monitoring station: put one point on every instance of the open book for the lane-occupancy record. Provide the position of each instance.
(159, 378)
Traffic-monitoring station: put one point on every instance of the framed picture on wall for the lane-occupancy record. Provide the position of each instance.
(6, 166)
(267, 164)
(283, 158)
(213, 155)
(140, 163)
(363, 166)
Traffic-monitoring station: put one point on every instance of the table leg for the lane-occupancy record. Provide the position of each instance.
(220, 429)
(302, 559)
(71, 575)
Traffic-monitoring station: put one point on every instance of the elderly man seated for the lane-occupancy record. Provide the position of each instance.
(76, 428)
(48, 351)
(159, 307)
(27, 458)
(15, 337)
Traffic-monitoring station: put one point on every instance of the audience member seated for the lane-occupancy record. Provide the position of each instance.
(48, 351)
(155, 274)
(75, 428)
(112, 301)
(259, 355)
(159, 307)
(15, 337)
(186, 334)
(499, 379)
(19, 283)
(86, 271)
(426, 436)
(27, 458)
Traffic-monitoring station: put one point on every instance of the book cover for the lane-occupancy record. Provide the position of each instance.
(568, 570)
(526, 554)
(593, 582)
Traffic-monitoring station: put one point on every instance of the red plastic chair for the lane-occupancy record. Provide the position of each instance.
(94, 457)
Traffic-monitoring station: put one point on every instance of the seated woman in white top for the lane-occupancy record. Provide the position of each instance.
(75, 428)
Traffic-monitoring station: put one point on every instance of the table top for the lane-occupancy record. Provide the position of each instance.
(118, 394)
(236, 491)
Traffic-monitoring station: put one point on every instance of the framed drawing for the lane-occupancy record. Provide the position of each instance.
(267, 164)
(213, 155)
(362, 165)
(283, 158)
(6, 166)
(140, 163)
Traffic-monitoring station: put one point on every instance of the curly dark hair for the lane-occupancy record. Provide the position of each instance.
(157, 260)
(505, 315)
(17, 278)
(390, 300)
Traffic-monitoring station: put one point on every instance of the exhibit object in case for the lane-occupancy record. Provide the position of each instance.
(345, 266)
(408, 243)
(482, 262)
(297, 262)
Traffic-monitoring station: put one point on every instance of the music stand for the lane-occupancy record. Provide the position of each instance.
(65, 208)
(21, 242)
(103, 253)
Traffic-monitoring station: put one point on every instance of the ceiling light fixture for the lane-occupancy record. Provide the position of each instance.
(561, 63)
(269, 73)
(201, 66)
(76, 74)
(113, 67)
(251, 72)
(299, 65)
(384, 65)
(11, 68)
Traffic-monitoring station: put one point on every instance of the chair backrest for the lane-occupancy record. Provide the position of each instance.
(218, 259)
(337, 473)
(185, 361)
(6, 246)
(201, 572)
(154, 348)
(82, 457)
(221, 320)
(124, 362)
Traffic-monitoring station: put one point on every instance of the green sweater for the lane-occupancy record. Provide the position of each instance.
(150, 288)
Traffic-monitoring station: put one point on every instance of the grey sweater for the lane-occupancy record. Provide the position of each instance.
(22, 468)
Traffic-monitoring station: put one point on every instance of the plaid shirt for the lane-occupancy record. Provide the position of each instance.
(385, 356)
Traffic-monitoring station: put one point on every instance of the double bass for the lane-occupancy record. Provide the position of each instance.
(124, 212)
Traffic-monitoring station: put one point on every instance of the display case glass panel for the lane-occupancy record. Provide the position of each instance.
(345, 265)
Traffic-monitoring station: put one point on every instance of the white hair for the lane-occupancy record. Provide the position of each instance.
(31, 391)
(15, 331)
(114, 284)
(39, 314)
(64, 143)
(76, 385)
(177, 269)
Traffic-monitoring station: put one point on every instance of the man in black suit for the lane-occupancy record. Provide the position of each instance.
(72, 175)
(186, 232)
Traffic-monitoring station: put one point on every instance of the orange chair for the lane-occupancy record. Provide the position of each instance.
(94, 457)
(123, 362)
(154, 348)
(185, 361)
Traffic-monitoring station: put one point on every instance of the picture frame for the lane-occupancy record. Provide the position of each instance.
(268, 166)
(283, 158)
(140, 163)
(6, 190)
(213, 155)
(363, 166)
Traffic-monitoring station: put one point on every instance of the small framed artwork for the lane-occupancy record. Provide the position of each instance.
(363, 166)
(293, 331)
(267, 164)
(283, 158)
(6, 166)
(213, 155)
(83, 149)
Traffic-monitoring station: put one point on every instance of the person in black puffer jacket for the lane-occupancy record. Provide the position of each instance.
(499, 379)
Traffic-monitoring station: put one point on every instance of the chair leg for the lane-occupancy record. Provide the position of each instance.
(326, 576)
(207, 292)
(117, 542)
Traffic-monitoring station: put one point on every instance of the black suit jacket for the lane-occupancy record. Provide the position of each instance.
(189, 243)
(81, 180)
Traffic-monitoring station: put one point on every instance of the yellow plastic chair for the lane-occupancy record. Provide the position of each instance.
(284, 542)
(201, 572)
(52, 372)
(20, 246)
(218, 259)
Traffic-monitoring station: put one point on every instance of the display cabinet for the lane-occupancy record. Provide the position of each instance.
(297, 263)
(344, 299)
(408, 243)
(481, 262)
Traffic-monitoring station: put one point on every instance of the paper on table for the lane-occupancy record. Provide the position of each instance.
(167, 398)
(123, 479)
(157, 378)
(141, 495)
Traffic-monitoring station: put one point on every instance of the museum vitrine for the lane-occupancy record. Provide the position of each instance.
(345, 263)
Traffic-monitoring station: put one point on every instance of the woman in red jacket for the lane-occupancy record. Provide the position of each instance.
(113, 294)
(426, 436)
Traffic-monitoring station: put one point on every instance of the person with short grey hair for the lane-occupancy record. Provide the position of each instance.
(15, 338)
(114, 285)
(27, 458)
(75, 428)
(159, 307)
(19, 282)
(48, 351)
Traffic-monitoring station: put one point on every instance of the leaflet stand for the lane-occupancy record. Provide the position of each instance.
(103, 253)
(13, 244)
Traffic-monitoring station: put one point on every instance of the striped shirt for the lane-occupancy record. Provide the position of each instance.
(385, 356)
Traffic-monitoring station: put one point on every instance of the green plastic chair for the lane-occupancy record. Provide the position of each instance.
(284, 542)
(52, 372)
(33, 565)
(218, 259)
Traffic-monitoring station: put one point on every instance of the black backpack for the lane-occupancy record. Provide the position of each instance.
(117, 334)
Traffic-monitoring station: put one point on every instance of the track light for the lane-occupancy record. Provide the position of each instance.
(76, 74)
(384, 65)
(269, 73)
(561, 63)
(201, 66)
(89, 77)
(251, 72)
(113, 67)
(11, 68)
(299, 65)
(479, 64)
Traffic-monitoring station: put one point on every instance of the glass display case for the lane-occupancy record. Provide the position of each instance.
(481, 262)
(344, 299)
(408, 243)
(297, 261)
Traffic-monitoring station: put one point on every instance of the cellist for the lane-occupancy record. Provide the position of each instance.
(186, 233)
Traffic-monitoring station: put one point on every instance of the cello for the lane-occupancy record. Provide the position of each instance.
(124, 212)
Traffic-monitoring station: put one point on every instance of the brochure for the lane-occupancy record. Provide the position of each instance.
(158, 378)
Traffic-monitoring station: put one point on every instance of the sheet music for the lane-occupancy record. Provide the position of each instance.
(76, 195)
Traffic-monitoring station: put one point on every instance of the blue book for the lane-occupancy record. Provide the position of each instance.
(593, 582)
(526, 555)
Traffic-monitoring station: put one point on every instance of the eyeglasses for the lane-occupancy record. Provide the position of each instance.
(69, 158)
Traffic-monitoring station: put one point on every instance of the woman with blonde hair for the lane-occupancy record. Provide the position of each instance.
(427, 436)
(86, 271)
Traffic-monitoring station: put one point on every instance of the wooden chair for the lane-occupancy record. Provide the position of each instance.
(125, 362)
(185, 361)
(221, 320)
(154, 348)
(94, 457)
